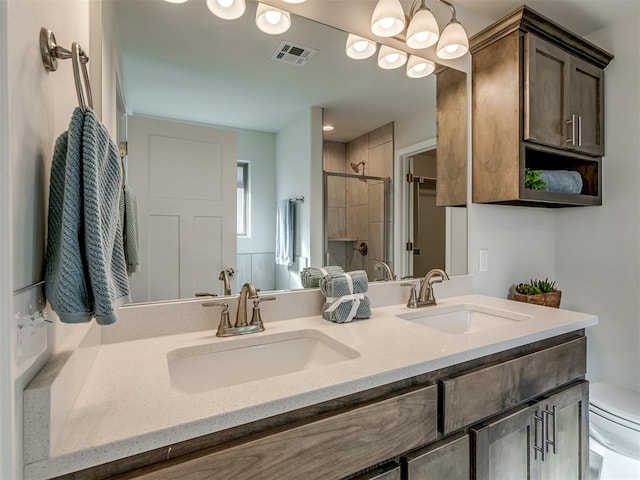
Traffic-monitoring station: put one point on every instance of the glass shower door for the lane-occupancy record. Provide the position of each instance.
(357, 221)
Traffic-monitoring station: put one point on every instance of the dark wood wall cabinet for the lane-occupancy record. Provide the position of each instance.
(538, 104)
(451, 148)
(519, 413)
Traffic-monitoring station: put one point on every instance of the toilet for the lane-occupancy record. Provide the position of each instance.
(614, 431)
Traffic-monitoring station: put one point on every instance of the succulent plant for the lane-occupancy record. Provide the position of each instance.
(536, 287)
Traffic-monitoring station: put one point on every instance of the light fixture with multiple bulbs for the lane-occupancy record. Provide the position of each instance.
(271, 20)
(388, 20)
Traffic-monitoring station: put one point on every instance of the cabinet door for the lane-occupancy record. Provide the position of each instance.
(546, 106)
(501, 446)
(448, 459)
(587, 104)
(451, 155)
(388, 471)
(567, 436)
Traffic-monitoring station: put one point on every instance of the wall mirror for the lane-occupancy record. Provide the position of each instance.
(179, 62)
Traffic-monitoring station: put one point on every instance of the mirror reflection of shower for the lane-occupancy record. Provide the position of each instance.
(356, 166)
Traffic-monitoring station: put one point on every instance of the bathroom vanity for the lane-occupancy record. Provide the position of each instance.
(406, 392)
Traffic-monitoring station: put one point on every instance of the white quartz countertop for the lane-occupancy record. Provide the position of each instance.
(127, 404)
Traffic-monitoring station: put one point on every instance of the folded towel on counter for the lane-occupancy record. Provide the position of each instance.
(562, 181)
(284, 232)
(345, 296)
(311, 276)
(129, 221)
(85, 273)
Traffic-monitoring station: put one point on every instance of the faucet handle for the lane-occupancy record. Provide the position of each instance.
(413, 296)
(205, 294)
(256, 318)
(225, 323)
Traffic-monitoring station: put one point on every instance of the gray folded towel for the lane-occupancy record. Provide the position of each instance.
(311, 276)
(345, 296)
(562, 181)
(85, 273)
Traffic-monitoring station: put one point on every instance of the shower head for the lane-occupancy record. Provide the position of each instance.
(356, 166)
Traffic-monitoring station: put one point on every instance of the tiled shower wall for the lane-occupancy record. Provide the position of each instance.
(356, 207)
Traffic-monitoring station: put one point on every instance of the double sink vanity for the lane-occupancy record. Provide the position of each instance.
(473, 387)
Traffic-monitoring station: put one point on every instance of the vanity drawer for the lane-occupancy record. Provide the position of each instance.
(331, 446)
(471, 397)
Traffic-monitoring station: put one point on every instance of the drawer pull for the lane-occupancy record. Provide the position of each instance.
(554, 426)
(539, 420)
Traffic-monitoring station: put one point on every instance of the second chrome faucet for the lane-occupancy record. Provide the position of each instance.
(425, 297)
(242, 326)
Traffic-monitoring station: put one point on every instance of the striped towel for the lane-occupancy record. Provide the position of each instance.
(311, 276)
(345, 296)
(129, 222)
(85, 270)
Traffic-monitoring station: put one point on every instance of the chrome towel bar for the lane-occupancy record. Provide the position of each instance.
(51, 52)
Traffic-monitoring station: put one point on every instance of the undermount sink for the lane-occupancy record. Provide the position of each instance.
(463, 319)
(210, 366)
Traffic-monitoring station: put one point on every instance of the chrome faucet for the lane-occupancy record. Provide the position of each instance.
(387, 273)
(224, 276)
(241, 326)
(425, 297)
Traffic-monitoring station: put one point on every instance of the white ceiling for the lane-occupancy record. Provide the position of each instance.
(182, 62)
(580, 16)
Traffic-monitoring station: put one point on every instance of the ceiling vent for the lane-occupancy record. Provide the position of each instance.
(293, 54)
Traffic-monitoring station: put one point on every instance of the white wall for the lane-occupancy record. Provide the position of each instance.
(416, 128)
(598, 249)
(299, 173)
(521, 242)
(39, 109)
(259, 149)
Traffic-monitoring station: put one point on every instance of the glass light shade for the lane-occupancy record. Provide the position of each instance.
(176, 1)
(388, 18)
(418, 67)
(272, 20)
(359, 48)
(227, 9)
(453, 42)
(389, 58)
(423, 30)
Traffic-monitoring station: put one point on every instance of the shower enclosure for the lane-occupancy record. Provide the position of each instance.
(357, 221)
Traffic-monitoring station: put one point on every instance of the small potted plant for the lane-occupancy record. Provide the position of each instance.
(539, 292)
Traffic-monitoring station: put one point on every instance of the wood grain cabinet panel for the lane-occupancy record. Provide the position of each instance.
(328, 448)
(477, 395)
(545, 439)
(451, 152)
(447, 459)
(564, 99)
(538, 104)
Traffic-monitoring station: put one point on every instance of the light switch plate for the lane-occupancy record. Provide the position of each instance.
(483, 260)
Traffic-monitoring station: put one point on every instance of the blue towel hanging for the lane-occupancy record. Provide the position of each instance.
(284, 233)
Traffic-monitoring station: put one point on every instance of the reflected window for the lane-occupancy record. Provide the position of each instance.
(243, 197)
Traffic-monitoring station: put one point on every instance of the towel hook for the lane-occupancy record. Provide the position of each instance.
(51, 52)
(81, 58)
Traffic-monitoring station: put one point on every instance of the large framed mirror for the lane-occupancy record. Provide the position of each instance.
(180, 67)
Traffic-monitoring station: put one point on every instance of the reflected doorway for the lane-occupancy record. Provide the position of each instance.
(429, 220)
(427, 236)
